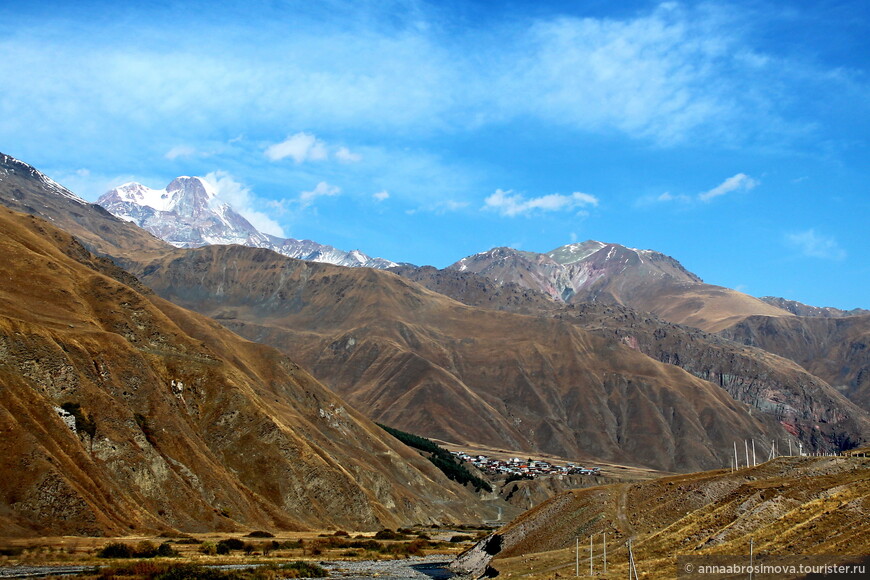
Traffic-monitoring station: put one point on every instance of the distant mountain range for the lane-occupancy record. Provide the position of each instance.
(189, 214)
(653, 367)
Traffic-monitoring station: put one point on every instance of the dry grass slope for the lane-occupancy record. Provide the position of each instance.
(196, 429)
(788, 506)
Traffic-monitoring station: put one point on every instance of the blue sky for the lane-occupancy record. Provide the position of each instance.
(732, 136)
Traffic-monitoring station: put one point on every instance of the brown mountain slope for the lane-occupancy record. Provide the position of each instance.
(835, 349)
(422, 362)
(805, 404)
(27, 190)
(612, 274)
(788, 506)
(190, 428)
(808, 406)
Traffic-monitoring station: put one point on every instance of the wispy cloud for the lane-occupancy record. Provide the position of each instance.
(301, 147)
(381, 195)
(511, 204)
(666, 75)
(345, 155)
(180, 151)
(739, 182)
(322, 189)
(243, 200)
(815, 245)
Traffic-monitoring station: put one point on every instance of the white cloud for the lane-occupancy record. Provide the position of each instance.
(814, 245)
(510, 204)
(301, 147)
(381, 195)
(243, 200)
(322, 189)
(665, 74)
(345, 155)
(739, 182)
(180, 151)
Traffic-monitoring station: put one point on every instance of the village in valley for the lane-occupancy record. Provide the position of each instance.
(530, 468)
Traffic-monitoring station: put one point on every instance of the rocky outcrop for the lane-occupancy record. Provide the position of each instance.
(834, 349)
(807, 406)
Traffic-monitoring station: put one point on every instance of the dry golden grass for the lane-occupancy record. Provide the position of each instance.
(788, 507)
(307, 546)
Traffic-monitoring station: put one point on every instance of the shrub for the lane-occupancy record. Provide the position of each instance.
(208, 548)
(457, 539)
(231, 544)
(306, 569)
(166, 551)
(390, 535)
(260, 534)
(116, 550)
(145, 549)
(191, 541)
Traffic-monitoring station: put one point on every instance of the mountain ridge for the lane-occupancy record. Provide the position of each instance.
(188, 213)
(645, 280)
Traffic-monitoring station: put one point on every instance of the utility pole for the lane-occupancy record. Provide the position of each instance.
(746, 446)
(577, 557)
(753, 454)
(736, 463)
(590, 555)
(751, 555)
(631, 567)
(789, 447)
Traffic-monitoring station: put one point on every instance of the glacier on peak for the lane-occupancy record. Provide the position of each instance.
(189, 213)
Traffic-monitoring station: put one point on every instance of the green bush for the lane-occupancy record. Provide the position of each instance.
(208, 548)
(260, 534)
(116, 550)
(304, 570)
(390, 535)
(165, 550)
(229, 545)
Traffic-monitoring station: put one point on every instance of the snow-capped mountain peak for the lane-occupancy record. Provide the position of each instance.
(189, 213)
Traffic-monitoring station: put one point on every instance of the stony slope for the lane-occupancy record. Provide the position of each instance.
(27, 190)
(835, 349)
(612, 274)
(788, 506)
(806, 405)
(195, 428)
(422, 362)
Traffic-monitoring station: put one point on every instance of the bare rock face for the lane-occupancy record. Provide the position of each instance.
(834, 349)
(808, 407)
(179, 424)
